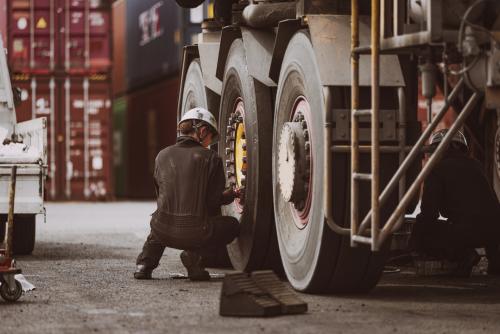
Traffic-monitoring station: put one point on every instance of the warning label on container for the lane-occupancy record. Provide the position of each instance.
(41, 23)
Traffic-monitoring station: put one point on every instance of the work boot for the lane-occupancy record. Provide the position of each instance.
(192, 261)
(465, 266)
(142, 272)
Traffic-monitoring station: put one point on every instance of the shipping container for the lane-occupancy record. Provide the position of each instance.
(156, 32)
(437, 104)
(59, 35)
(153, 41)
(120, 142)
(3, 21)
(119, 47)
(78, 110)
(151, 117)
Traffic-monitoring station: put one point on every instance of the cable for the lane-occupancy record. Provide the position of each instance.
(464, 20)
(467, 68)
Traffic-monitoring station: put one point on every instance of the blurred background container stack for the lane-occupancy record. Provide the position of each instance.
(148, 37)
(105, 74)
(60, 57)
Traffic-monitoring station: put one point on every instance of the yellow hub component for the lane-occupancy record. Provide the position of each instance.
(240, 155)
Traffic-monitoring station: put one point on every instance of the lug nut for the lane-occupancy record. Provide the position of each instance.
(304, 124)
(307, 146)
(306, 134)
(229, 163)
(244, 146)
(244, 159)
(230, 174)
(229, 150)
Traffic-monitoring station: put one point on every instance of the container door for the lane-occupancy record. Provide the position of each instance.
(86, 38)
(87, 130)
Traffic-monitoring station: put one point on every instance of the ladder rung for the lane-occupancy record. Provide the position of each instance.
(368, 149)
(365, 49)
(362, 240)
(362, 112)
(362, 176)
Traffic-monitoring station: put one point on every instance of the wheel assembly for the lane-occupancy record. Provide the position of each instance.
(24, 233)
(11, 293)
(315, 259)
(245, 123)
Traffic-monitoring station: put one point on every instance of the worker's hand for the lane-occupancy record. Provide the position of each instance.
(239, 192)
(229, 194)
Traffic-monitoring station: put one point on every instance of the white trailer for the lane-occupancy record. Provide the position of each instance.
(24, 145)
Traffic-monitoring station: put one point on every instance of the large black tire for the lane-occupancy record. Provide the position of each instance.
(23, 241)
(194, 92)
(492, 150)
(246, 102)
(315, 259)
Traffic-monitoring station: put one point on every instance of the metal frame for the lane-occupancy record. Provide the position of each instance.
(370, 231)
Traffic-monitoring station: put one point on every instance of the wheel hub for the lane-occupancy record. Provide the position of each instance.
(236, 149)
(293, 162)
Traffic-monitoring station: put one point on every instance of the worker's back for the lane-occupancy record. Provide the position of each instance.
(465, 193)
(188, 178)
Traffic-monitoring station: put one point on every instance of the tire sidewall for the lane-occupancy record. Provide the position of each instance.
(193, 92)
(300, 263)
(258, 201)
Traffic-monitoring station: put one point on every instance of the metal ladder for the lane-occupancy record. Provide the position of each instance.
(369, 231)
(356, 176)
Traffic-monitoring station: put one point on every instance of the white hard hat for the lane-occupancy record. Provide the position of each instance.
(202, 114)
(438, 137)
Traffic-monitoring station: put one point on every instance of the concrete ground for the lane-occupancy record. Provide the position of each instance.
(84, 258)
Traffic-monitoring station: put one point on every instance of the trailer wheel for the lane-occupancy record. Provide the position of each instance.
(11, 296)
(245, 123)
(194, 93)
(315, 259)
(23, 241)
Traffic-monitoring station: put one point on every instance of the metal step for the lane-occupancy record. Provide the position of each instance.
(260, 294)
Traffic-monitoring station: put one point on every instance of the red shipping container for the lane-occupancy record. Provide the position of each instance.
(3, 21)
(119, 47)
(47, 36)
(152, 118)
(79, 129)
(437, 104)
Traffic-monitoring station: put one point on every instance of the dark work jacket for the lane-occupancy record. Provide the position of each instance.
(189, 181)
(457, 189)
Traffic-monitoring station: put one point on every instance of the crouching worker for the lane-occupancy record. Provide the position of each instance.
(190, 186)
(458, 190)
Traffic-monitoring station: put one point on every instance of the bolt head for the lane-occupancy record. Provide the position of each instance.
(303, 124)
(306, 134)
